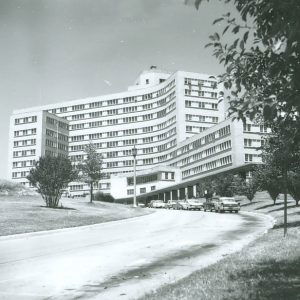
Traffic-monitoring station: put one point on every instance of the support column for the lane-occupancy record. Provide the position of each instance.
(195, 191)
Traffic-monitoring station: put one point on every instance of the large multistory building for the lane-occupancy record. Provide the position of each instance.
(175, 120)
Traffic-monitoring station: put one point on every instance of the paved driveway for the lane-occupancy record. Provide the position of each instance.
(122, 259)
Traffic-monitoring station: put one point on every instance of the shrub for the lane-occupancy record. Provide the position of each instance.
(100, 196)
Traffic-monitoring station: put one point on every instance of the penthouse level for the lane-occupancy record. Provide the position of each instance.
(157, 113)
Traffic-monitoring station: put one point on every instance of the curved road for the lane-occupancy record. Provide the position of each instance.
(122, 259)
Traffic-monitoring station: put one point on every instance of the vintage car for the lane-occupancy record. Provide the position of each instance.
(195, 204)
(171, 204)
(222, 204)
(158, 204)
(184, 204)
(208, 205)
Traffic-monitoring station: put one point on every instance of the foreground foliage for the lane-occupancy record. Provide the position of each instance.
(50, 176)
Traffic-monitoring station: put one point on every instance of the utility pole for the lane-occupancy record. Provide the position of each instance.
(57, 138)
(134, 153)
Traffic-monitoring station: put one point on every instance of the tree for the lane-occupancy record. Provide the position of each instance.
(90, 169)
(50, 176)
(267, 178)
(294, 185)
(249, 189)
(205, 188)
(262, 60)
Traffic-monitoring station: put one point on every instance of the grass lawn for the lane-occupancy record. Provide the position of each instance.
(20, 214)
(268, 268)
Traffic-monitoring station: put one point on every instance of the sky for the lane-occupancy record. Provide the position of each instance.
(59, 50)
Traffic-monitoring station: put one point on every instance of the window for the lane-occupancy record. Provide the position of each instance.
(247, 142)
(142, 190)
(188, 103)
(153, 188)
(130, 192)
(248, 157)
(147, 81)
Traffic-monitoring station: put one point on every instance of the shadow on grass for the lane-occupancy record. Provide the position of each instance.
(268, 205)
(247, 204)
(271, 280)
(289, 225)
(281, 208)
(58, 207)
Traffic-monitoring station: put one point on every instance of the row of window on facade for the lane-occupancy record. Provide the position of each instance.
(142, 190)
(248, 143)
(200, 82)
(23, 153)
(21, 174)
(53, 134)
(114, 112)
(199, 93)
(110, 102)
(59, 124)
(202, 105)
(195, 129)
(53, 144)
(97, 185)
(115, 154)
(23, 143)
(221, 162)
(25, 120)
(25, 132)
(255, 128)
(23, 164)
(146, 129)
(95, 136)
(206, 153)
(201, 118)
(252, 157)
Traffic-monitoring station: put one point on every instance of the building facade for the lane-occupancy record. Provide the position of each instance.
(162, 114)
(228, 146)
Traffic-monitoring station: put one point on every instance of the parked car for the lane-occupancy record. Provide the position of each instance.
(177, 205)
(208, 205)
(150, 204)
(158, 204)
(195, 204)
(170, 204)
(184, 204)
(222, 204)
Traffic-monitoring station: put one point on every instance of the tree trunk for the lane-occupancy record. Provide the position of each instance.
(91, 192)
(285, 202)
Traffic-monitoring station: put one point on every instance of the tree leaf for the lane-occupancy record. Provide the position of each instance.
(218, 20)
(226, 28)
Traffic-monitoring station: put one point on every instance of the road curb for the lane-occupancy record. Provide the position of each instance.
(265, 216)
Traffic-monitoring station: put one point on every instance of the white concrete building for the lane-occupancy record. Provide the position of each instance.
(162, 114)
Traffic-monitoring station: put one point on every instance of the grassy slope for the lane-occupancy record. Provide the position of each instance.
(20, 214)
(268, 268)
